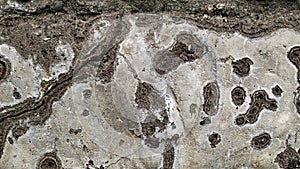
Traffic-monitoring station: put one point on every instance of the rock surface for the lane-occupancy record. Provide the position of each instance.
(145, 91)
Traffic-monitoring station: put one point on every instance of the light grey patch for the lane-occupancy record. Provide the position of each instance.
(152, 142)
(193, 108)
(164, 62)
(156, 101)
(111, 114)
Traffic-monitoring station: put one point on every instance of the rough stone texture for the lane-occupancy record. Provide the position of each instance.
(149, 84)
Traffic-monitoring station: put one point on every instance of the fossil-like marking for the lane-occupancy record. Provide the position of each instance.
(211, 98)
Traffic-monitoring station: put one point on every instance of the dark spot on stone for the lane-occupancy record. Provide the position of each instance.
(168, 156)
(261, 141)
(259, 101)
(85, 112)
(107, 65)
(277, 91)
(238, 95)
(205, 121)
(87, 93)
(142, 95)
(75, 131)
(251, 118)
(49, 161)
(288, 159)
(10, 140)
(297, 100)
(182, 51)
(211, 98)
(214, 139)
(84, 148)
(91, 162)
(101, 167)
(294, 56)
(16, 94)
(242, 67)
(148, 129)
(240, 120)
(5, 68)
(2, 70)
(271, 105)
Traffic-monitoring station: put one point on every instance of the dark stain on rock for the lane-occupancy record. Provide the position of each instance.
(168, 156)
(142, 95)
(288, 159)
(294, 56)
(214, 139)
(187, 48)
(107, 65)
(10, 140)
(240, 120)
(16, 94)
(49, 161)
(19, 131)
(182, 51)
(259, 101)
(238, 95)
(205, 121)
(75, 131)
(277, 91)
(148, 129)
(297, 100)
(261, 141)
(242, 67)
(5, 68)
(211, 98)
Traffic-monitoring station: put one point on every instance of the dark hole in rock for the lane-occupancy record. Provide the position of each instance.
(214, 139)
